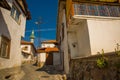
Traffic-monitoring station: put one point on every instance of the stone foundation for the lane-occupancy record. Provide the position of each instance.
(87, 69)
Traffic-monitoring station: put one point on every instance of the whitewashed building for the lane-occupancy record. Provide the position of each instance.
(13, 16)
(28, 52)
(85, 27)
(48, 54)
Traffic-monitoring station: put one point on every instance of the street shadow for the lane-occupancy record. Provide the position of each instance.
(49, 70)
(45, 76)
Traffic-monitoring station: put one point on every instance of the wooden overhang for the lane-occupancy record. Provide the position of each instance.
(4, 4)
(23, 5)
(50, 41)
(48, 50)
(111, 2)
(41, 50)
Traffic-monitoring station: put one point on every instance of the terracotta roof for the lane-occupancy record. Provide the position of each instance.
(23, 5)
(49, 41)
(41, 50)
(28, 43)
(51, 49)
(47, 50)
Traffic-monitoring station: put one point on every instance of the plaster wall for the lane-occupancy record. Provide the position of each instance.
(25, 59)
(104, 34)
(41, 57)
(44, 45)
(56, 58)
(78, 39)
(28, 48)
(65, 45)
(14, 31)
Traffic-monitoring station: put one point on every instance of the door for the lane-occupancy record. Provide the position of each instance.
(49, 59)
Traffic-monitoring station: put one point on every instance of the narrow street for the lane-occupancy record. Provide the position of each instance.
(34, 73)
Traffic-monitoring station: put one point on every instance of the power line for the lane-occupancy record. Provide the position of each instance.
(49, 29)
(38, 23)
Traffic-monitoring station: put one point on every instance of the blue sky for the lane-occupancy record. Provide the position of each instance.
(47, 11)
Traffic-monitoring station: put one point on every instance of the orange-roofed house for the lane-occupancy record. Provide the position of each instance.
(28, 52)
(49, 43)
(48, 54)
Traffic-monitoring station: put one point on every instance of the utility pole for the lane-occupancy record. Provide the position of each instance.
(38, 23)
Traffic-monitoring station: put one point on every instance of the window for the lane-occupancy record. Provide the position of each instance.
(97, 10)
(92, 10)
(25, 48)
(15, 13)
(4, 47)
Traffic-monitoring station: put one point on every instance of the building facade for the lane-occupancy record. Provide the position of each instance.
(28, 52)
(48, 54)
(13, 16)
(89, 26)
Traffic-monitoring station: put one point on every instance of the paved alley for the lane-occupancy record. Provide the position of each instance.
(34, 73)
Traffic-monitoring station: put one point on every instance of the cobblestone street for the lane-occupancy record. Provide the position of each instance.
(34, 73)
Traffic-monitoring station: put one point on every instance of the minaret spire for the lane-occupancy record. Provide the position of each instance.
(32, 37)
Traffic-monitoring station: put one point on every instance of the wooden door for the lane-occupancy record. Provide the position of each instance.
(49, 59)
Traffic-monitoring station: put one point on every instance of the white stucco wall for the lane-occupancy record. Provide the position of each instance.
(10, 29)
(78, 39)
(42, 57)
(28, 48)
(25, 59)
(104, 34)
(45, 45)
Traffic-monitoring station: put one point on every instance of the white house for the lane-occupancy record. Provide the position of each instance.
(13, 16)
(48, 54)
(85, 27)
(28, 52)
(48, 43)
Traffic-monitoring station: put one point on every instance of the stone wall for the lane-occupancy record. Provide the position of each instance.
(87, 69)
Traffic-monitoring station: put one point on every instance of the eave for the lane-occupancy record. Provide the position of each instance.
(97, 2)
(4, 4)
(28, 43)
(24, 9)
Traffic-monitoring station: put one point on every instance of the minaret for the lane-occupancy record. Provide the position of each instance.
(32, 37)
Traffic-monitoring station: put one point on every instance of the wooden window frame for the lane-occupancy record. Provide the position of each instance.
(14, 14)
(4, 40)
